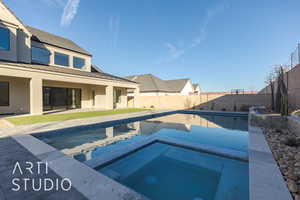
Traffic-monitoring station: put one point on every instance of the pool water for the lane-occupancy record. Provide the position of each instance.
(88, 142)
(162, 172)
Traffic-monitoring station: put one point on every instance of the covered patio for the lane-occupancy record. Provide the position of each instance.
(35, 89)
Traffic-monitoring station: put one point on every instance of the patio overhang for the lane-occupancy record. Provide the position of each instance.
(96, 91)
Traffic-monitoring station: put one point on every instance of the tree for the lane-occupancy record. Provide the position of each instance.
(282, 93)
(270, 80)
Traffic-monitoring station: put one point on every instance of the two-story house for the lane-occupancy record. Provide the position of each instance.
(40, 71)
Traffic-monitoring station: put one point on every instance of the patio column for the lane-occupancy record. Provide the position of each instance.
(124, 98)
(36, 96)
(109, 97)
(136, 94)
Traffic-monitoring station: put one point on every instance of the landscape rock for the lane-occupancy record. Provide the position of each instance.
(285, 147)
(297, 156)
(292, 186)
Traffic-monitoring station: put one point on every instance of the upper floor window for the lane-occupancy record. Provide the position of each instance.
(61, 59)
(40, 55)
(4, 39)
(4, 91)
(78, 63)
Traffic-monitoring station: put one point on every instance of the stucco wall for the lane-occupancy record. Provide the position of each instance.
(71, 54)
(20, 43)
(292, 80)
(20, 92)
(19, 37)
(294, 124)
(204, 101)
(18, 87)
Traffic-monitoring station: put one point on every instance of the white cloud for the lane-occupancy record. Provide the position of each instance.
(114, 26)
(70, 11)
(55, 3)
(174, 52)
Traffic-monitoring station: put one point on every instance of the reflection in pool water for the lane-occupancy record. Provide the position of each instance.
(87, 142)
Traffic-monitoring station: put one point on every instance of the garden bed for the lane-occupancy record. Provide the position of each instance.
(285, 147)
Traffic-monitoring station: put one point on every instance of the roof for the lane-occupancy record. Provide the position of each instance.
(177, 85)
(95, 68)
(51, 39)
(195, 86)
(18, 19)
(64, 70)
(151, 83)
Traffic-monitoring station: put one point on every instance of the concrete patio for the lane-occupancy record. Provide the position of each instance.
(27, 129)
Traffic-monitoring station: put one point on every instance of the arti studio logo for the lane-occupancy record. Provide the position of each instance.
(30, 171)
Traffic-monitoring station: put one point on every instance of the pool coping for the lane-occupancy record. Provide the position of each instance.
(217, 113)
(86, 180)
(265, 179)
(101, 161)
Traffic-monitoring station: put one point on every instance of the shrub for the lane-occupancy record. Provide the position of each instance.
(212, 107)
(245, 108)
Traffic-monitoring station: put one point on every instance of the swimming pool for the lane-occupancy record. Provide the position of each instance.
(161, 169)
(87, 142)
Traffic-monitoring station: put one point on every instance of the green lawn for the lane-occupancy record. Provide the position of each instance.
(67, 116)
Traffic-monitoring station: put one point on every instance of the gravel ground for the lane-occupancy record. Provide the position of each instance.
(285, 147)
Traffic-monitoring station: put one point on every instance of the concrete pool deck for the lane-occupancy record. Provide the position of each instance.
(9, 157)
(265, 179)
(88, 182)
(49, 126)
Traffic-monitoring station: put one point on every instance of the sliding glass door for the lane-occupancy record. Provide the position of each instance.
(61, 98)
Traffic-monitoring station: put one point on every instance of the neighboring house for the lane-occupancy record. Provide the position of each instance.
(151, 85)
(196, 88)
(40, 71)
(181, 86)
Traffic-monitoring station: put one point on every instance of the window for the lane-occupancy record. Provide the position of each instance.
(40, 55)
(78, 63)
(4, 39)
(61, 59)
(4, 94)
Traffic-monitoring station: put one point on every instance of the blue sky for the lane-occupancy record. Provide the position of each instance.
(220, 44)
